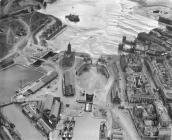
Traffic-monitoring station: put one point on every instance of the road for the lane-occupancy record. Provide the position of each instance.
(102, 96)
(127, 123)
(8, 6)
(150, 80)
(122, 84)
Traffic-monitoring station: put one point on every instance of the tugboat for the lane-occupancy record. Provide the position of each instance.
(73, 18)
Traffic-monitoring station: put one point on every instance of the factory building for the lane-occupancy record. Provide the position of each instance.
(6, 63)
(48, 78)
(89, 102)
(165, 20)
(30, 111)
(51, 103)
(51, 109)
(36, 86)
(43, 126)
(68, 84)
(88, 107)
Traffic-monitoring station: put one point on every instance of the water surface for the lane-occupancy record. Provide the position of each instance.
(101, 27)
(13, 78)
(24, 127)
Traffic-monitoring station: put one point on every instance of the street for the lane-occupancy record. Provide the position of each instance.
(127, 123)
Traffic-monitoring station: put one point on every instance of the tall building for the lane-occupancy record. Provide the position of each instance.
(68, 58)
(89, 102)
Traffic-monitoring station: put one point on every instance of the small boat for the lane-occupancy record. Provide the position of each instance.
(73, 18)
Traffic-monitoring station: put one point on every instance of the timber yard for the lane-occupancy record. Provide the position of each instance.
(47, 94)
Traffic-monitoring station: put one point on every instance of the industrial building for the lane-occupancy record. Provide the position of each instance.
(51, 110)
(68, 83)
(46, 113)
(48, 78)
(165, 20)
(36, 86)
(88, 107)
(43, 126)
(6, 63)
(89, 102)
(30, 111)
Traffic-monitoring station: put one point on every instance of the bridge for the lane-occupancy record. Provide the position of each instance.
(50, 62)
(54, 65)
(5, 104)
(37, 58)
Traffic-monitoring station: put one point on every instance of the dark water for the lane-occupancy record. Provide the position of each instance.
(12, 78)
(24, 127)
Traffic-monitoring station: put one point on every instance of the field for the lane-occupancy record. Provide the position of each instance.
(10, 28)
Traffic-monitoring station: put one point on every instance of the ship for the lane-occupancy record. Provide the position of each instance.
(73, 18)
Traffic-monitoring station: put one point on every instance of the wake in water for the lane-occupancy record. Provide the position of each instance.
(101, 27)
